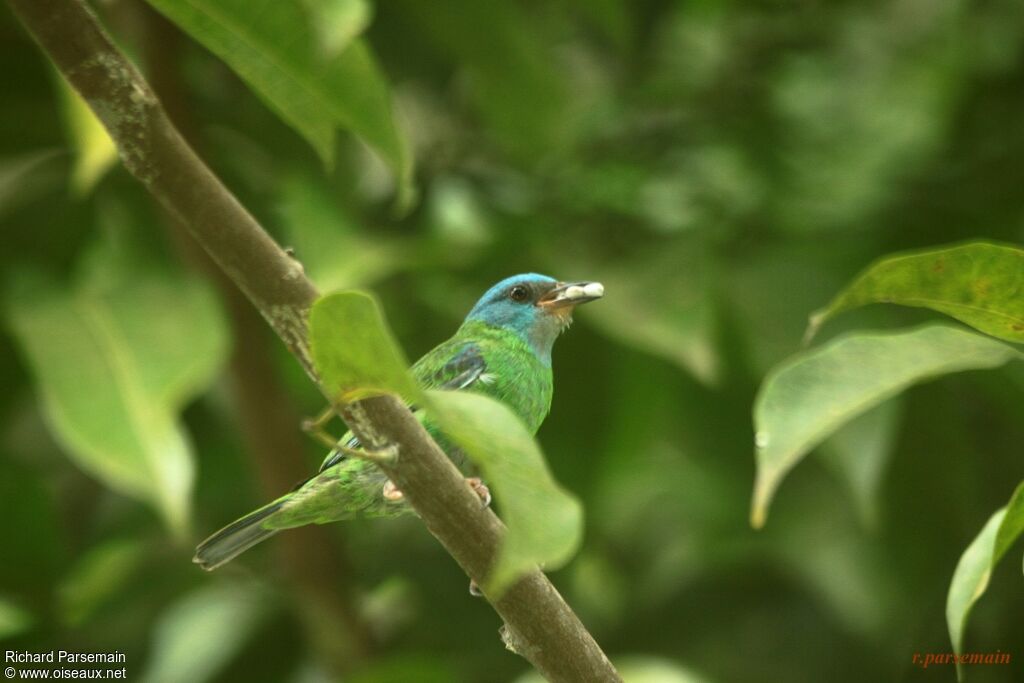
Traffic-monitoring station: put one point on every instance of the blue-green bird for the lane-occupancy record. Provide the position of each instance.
(502, 350)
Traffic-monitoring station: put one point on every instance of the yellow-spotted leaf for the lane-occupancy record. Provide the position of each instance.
(808, 397)
(973, 571)
(981, 284)
(544, 521)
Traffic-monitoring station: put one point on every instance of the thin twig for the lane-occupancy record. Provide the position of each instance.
(540, 623)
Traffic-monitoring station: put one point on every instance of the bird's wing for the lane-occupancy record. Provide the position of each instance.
(465, 367)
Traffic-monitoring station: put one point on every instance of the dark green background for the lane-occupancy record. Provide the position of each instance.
(724, 168)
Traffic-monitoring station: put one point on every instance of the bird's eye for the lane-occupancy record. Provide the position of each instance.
(519, 293)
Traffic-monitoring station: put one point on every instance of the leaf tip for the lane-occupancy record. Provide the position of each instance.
(758, 516)
(764, 487)
(814, 323)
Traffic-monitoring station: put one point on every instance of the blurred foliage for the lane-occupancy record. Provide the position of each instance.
(725, 168)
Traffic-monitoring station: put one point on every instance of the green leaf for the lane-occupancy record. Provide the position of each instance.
(95, 152)
(99, 576)
(199, 634)
(973, 571)
(14, 620)
(545, 522)
(981, 284)
(275, 47)
(116, 357)
(339, 22)
(353, 350)
(356, 356)
(812, 394)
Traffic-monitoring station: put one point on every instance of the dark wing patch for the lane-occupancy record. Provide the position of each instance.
(462, 370)
(336, 456)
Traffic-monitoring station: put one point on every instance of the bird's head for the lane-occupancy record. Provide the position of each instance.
(535, 307)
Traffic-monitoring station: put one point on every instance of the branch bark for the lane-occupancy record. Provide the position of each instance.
(538, 622)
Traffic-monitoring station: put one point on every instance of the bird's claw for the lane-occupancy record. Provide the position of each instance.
(474, 589)
(382, 456)
(391, 492)
(315, 427)
(480, 489)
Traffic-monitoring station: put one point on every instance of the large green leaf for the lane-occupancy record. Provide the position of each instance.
(544, 522)
(812, 394)
(356, 356)
(353, 350)
(277, 49)
(116, 357)
(974, 569)
(981, 284)
(200, 633)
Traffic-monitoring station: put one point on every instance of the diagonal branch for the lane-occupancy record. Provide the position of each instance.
(538, 623)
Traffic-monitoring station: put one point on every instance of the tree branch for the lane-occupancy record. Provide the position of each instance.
(539, 623)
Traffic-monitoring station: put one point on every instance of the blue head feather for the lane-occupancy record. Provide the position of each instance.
(532, 323)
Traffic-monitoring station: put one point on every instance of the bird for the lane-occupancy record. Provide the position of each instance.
(502, 349)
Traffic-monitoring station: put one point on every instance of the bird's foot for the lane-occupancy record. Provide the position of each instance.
(382, 456)
(391, 492)
(474, 589)
(314, 426)
(480, 489)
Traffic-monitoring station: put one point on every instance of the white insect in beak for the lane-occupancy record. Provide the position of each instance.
(571, 294)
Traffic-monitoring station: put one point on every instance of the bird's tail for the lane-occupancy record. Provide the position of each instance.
(236, 538)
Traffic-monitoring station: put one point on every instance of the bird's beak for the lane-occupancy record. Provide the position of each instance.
(571, 294)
